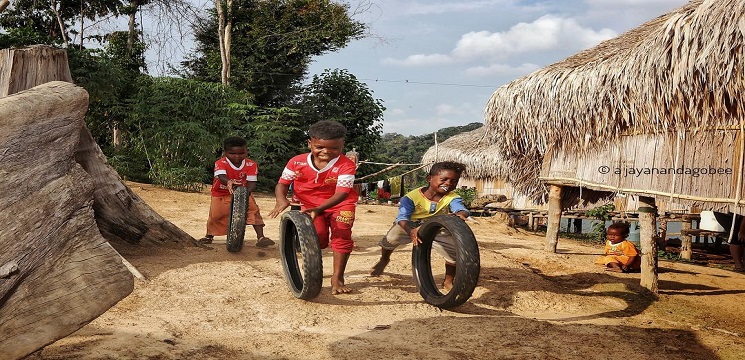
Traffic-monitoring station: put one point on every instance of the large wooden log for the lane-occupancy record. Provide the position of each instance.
(66, 275)
(121, 215)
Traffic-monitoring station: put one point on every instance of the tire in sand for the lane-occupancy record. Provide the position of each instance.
(467, 262)
(237, 219)
(301, 254)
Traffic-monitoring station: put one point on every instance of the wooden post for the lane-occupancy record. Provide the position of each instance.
(531, 221)
(662, 239)
(554, 218)
(685, 240)
(647, 240)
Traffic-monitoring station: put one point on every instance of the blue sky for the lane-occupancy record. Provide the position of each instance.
(434, 64)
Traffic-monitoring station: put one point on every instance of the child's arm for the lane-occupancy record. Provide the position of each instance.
(230, 183)
(403, 219)
(412, 231)
(459, 209)
(280, 195)
(251, 186)
(334, 200)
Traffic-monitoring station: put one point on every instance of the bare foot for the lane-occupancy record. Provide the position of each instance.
(378, 268)
(447, 286)
(614, 268)
(340, 289)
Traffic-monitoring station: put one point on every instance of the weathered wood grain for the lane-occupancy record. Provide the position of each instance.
(67, 274)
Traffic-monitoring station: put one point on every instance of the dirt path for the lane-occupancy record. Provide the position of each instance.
(211, 304)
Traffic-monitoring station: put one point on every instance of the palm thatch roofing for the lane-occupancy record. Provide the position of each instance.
(680, 71)
(471, 149)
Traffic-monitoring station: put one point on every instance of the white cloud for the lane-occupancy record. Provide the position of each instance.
(502, 70)
(449, 111)
(446, 109)
(419, 60)
(548, 32)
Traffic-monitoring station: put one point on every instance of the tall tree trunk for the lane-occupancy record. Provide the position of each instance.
(224, 29)
(60, 23)
(82, 27)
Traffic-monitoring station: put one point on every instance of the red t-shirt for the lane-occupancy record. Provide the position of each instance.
(248, 171)
(314, 186)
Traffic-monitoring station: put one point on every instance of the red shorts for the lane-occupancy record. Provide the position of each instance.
(217, 224)
(339, 222)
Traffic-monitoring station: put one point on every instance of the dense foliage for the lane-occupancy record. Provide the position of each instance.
(338, 95)
(273, 43)
(169, 130)
(396, 148)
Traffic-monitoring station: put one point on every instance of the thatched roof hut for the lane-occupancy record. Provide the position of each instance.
(484, 166)
(480, 156)
(647, 97)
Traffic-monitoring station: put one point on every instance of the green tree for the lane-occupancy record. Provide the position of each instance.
(177, 127)
(273, 137)
(51, 22)
(273, 42)
(338, 95)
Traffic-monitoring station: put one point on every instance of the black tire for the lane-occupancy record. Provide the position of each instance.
(237, 219)
(297, 230)
(467, 262)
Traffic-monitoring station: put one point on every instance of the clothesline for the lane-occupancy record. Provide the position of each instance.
(377, 163)
(391, 167)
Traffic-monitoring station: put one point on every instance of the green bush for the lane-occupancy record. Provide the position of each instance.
(467, 195)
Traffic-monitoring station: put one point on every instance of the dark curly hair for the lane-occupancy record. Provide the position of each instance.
(455, 167)
(233, 141)
(623, 227)
(327, 130)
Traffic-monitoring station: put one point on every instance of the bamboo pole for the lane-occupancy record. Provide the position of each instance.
(554, 218)
(647, 240)
(561, 181)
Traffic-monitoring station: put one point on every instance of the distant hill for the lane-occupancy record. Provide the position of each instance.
(396, 148)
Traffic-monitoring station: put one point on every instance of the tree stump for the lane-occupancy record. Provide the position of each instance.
(67, 274)
(22, 69)
(59, 204)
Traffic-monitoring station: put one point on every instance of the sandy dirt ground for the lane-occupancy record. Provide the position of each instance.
(529, 304)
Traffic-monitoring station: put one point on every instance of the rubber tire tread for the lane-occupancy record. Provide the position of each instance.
(468, 263)
(295, 225)
(237, 219)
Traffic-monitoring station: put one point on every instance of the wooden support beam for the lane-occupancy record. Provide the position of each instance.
(648, 242)
(554, 218)
(686, 246)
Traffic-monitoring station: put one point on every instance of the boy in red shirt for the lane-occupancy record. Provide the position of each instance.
(322, 181)
(234, 169)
